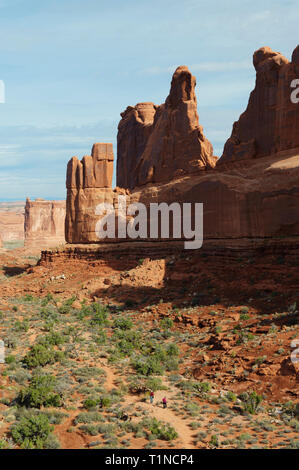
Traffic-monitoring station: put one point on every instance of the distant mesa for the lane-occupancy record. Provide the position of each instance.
(44, 223)
(11, 221)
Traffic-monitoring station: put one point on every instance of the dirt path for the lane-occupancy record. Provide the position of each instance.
(185, 439)
(167, 415)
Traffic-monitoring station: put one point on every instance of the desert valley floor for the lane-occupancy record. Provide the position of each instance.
(89, 334)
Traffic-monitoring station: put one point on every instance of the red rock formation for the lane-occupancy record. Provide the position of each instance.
(134, 130)
(44, 223)
(270, 123)
(89, 183)
(249, 199)
(158, 143)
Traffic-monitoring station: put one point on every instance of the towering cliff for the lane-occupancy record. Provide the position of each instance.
(44, 223)
(158, 143)
(89, 183)
(270, 123)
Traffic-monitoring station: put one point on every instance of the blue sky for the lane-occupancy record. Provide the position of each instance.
(71, 66)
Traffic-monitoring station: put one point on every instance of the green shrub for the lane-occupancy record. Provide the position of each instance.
(100, 338)
(105, 402)
(90, 417)
(28, 298)
(90, 404)
(123, 323)
(99, 314)
(155, 383)
(90, 429)
(31, 432)
(46, 300)
(40, 393)
(148, 366)
(214, 441)
(67, 305)
(83, 374)
(41, 355)
(166, 323)
(291, 409)
(162, 431)
(54, 339)
(10, 359)
(52, 442)
(230, 396)
(21, 325)
(251, 402)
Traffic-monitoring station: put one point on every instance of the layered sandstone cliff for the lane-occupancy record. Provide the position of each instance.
(253, 192)
(44, 223)
(270, 123)
(11, 222)
(158, 143)
(89, 183)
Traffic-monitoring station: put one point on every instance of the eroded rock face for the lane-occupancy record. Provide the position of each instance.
(44, 223)
(89, 183)
(12, 223)
(134, 130)
(247, 201)
(270, 123)
(159, 143)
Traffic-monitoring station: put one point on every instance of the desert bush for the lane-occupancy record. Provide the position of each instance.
(4, 444)
(123, 323)
(48, 298)
(28, 298)
(230, 396)
(40, 392)
(90, 429)
(148, 366)
(155, 383)
(20, 376)
(105, 402)
(251, 402)
(100, 338)
(55, 416)
(291, 409)
(52, 442)
(83, 374)
(89, 417)
(166, 323)
(53, 339)
(161, 430)
(32, 431)
(10, 359)
(41, 355)
(23, 325)
(90, 404)
(214, 441)
(99, 314)
(48, 314)
(66, 306)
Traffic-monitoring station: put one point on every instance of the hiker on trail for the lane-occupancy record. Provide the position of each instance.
(164, 401)
(152, 396)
